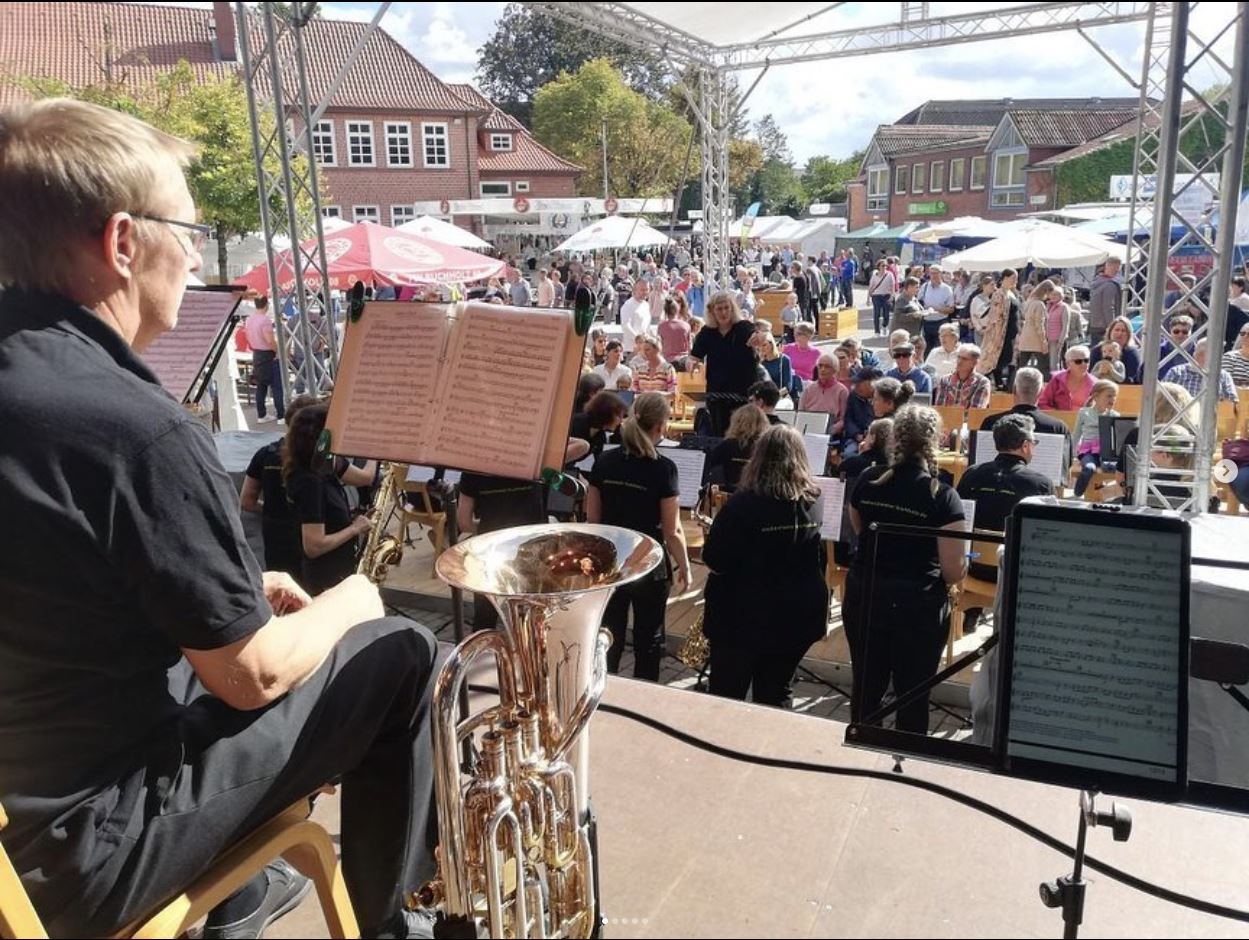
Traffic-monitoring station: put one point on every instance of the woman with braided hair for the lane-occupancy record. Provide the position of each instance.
(897, 610)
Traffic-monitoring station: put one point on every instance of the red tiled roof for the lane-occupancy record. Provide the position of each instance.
(84, 44)
(526, 156)
(1067, 128)
(71, 41)
(897, 139)
(386, 76)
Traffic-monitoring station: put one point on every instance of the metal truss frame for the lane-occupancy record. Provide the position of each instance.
(1190, 432)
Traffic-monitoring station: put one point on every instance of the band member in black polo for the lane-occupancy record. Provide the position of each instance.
(897, 608)
(998, 486)
(635, 486)
(728, 459)
(602, 416)
(767, 600)
(729, 346)
(1028, 384)
(161, 696)
(264, 491)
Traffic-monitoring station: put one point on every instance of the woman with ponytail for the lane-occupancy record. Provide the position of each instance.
(896, 611)
(635, 486)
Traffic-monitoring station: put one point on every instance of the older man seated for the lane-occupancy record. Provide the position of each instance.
(1028, 384)
(964, 386)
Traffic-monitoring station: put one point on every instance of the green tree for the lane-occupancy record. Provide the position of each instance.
(529, 49)
(210, 112)
(780, 190)
(825, 178)
(774, 143)
(646, 141)
(745, 162)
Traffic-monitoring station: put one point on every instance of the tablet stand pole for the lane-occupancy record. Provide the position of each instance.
(1067, 892)
(450, 495)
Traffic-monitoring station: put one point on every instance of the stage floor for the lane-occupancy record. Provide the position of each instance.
(695, 845)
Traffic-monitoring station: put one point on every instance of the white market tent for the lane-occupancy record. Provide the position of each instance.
(614, 232)
(761, 227)
(443, 232)
(1037, 242)
(965, 226)
(810, 236)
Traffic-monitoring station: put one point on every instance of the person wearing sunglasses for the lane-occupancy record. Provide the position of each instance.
(1180, 331)
(1069, 388)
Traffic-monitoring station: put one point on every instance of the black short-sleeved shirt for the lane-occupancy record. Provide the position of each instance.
(123, 544)
(321, 498)
(631, 489)
(726, 462)
(731, 363)
(579, 427)
(906, 498)
(501, 502)
(266, 466)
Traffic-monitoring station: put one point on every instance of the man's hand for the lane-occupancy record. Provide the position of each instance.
(360, 525)
(283, 594)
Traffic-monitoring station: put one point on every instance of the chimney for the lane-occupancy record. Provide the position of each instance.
(221, 29)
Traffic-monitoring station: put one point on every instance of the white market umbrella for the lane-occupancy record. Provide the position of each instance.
(1043, 244)
(614, 231)
(443, 232)
(965, 226)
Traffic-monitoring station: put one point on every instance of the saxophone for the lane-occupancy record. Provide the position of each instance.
(381, 550)
(518, 837)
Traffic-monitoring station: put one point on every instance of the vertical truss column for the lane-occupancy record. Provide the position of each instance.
(275, 74)
(713, 115)
(1171, 54)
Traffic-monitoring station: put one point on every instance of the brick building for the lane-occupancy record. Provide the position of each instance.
(394, 135)
(994, 159)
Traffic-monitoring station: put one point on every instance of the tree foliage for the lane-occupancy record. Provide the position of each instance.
(773, 141)
(530, 49)
(646, 141)
(780, 190)
(825, 178)
(210, 112)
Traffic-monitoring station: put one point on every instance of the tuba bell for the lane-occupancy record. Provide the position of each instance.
(517, 853)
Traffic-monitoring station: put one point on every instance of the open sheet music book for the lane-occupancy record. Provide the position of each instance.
(474, 386)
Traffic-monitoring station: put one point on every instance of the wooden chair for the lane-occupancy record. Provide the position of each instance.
(952, 417)
(972, 593)
(1226, 423)
(290, 835)
(976, 417)
(1128, 401)
(1069, 418)
(1001, 401)
(415, 506)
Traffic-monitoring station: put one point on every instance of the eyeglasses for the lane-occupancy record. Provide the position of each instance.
(901, 355)
(1179, 332)
(1079, 362)
(199, 232)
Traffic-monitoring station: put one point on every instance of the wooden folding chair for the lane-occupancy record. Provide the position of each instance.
(972, 594)
(290, 835)
(415, 506)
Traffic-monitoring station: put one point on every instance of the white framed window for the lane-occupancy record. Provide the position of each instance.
(1008, 178)
(360, 143)
(956, 174)
(331, 212)
(500, 141)
(522, 186)
(323, 143)
(496, 189)
(899, 181)
(398, 143)
(977, 173)
(366, 214)
(437, 144)
(936, 177)
(877, 187)
(401, 214)
(918, 172)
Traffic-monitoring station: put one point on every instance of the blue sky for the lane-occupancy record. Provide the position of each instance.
(833, 107)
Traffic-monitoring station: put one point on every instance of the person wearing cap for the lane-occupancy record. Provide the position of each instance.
(905, 370)
(999, 485)
(859, 411)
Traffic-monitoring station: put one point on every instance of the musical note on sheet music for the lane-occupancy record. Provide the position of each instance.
(1096, 680)
(690, 465)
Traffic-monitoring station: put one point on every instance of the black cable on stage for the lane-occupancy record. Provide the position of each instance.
(1001, 815)
(971, 802)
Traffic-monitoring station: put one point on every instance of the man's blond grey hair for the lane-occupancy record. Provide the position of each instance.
(65, 167)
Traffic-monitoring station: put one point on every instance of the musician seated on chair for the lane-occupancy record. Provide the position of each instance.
(998, 486)
(161, 697)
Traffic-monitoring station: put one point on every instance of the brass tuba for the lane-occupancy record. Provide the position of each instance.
(518, 841)
(381, 550)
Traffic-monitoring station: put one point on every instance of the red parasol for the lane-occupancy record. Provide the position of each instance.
(376, 254)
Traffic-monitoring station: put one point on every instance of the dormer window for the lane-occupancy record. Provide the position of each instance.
(500, 141)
